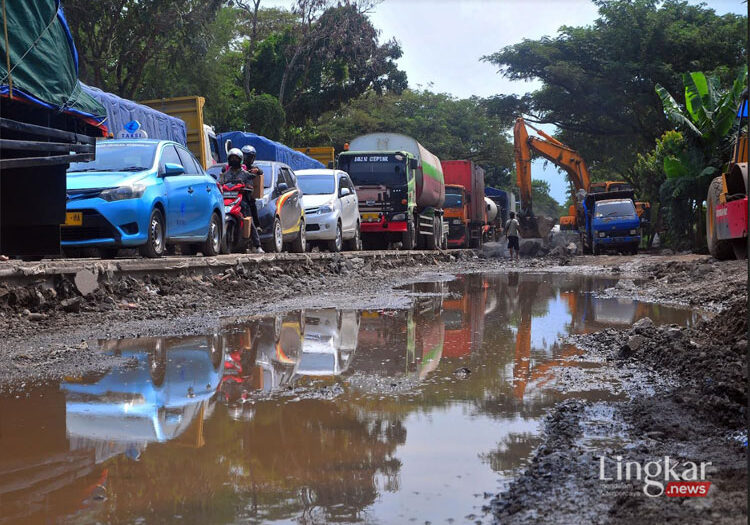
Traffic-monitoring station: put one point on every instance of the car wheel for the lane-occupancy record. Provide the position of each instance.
(157, 363)
(277, 238)
(300, 242)
(355, 243)
(337, 243)
(155, 245)
(212, 246)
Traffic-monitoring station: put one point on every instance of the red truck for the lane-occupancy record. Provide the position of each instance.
(464, 207)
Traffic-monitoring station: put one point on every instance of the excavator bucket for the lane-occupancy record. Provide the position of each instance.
(535, 227)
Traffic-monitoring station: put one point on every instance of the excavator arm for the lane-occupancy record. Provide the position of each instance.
(556, 152)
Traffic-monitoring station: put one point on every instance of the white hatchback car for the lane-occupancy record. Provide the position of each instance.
(331, 208)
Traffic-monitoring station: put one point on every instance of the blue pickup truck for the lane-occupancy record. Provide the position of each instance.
(609, 222)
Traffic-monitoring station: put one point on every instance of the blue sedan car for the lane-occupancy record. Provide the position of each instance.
(142, 193)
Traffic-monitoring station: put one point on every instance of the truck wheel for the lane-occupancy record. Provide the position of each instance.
(156, 243)
(212, 246)
(720, 249)
(409, 237)
(432, 241)
(337, 243)
(299, 243)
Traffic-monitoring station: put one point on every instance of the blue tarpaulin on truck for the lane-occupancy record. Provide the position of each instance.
(120, 111)
(268, 149)
(489, 191)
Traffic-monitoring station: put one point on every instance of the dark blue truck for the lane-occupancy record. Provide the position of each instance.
(609, 221)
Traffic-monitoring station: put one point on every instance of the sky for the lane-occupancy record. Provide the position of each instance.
(443, 41)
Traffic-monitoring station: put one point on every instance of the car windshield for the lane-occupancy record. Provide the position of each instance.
(367, 170)
(316, 184)
(118, 156)
(267, 173)
(453, 199)
(614, 209)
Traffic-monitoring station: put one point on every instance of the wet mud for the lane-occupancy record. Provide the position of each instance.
(428, 388)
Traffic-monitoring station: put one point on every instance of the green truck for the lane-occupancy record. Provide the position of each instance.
(401, 190)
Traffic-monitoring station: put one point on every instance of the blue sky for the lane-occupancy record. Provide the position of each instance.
(443, 41)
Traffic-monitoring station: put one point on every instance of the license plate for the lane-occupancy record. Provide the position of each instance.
(371, 217)
(73, 218)
(230, 194)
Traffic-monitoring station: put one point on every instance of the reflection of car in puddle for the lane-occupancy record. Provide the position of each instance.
(260, 358)
(330, 340)
(156, 399)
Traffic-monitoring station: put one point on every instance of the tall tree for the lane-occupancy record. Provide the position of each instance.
(598, 81)
(118, 39)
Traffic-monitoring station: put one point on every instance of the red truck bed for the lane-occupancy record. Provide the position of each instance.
(471, 177)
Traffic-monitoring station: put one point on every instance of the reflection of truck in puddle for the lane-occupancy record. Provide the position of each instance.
(464, 310)
(398, 342)
(155, 399)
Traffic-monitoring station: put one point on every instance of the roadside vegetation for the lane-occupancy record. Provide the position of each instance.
(643, 93)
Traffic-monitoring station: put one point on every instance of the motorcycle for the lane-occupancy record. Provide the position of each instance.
(236, 225)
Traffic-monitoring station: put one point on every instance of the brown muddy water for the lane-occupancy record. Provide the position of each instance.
(326, 415)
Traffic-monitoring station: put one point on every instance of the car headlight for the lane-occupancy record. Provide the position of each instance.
(325, 209)
(122, 193)
(602, 234)
(399, 217)
(633, 232)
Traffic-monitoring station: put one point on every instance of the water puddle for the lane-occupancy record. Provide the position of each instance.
(388, 416)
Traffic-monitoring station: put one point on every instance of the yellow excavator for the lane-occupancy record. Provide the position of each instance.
(566, 158)
(556, 152)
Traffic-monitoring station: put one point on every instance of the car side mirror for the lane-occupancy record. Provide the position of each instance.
(281, 187)
(170, 170)
(345, 192)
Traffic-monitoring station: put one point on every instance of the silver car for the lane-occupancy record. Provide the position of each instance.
(331, 208)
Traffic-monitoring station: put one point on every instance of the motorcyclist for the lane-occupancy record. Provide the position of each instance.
(248, 157)
(236, 175)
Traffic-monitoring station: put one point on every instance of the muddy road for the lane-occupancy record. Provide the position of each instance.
(411, 389)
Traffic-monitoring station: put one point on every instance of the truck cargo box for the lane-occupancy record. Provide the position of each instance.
(120, 111)
(471, 177)
(430, 184)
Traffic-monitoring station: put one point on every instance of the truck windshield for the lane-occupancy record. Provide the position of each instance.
(453, 199)
(119, 156)
(614, 209)
(316, 184)
(365, 170)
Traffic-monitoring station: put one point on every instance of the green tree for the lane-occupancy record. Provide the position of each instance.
(118, 40)
(451, 128)
(598, 81)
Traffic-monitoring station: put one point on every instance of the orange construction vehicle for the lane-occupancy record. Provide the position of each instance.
(556, 152)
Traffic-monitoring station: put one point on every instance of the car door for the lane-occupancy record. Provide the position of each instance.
(350, 212)
(177, 194)
(199, 209)
(289, 202)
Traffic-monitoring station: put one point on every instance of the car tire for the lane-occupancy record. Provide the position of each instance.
(156, 242)
(212, 246)
(300, 242)
(355, 243)
(337, 243)
(157, 363)
(276, 244)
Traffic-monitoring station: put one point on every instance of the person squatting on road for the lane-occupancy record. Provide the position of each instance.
(235, 174)
(511, 232)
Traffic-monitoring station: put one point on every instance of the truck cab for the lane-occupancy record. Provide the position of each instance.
(612, 224)
(385, 185)
(456, 210)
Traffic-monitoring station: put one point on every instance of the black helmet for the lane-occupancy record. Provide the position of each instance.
(248, 155)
